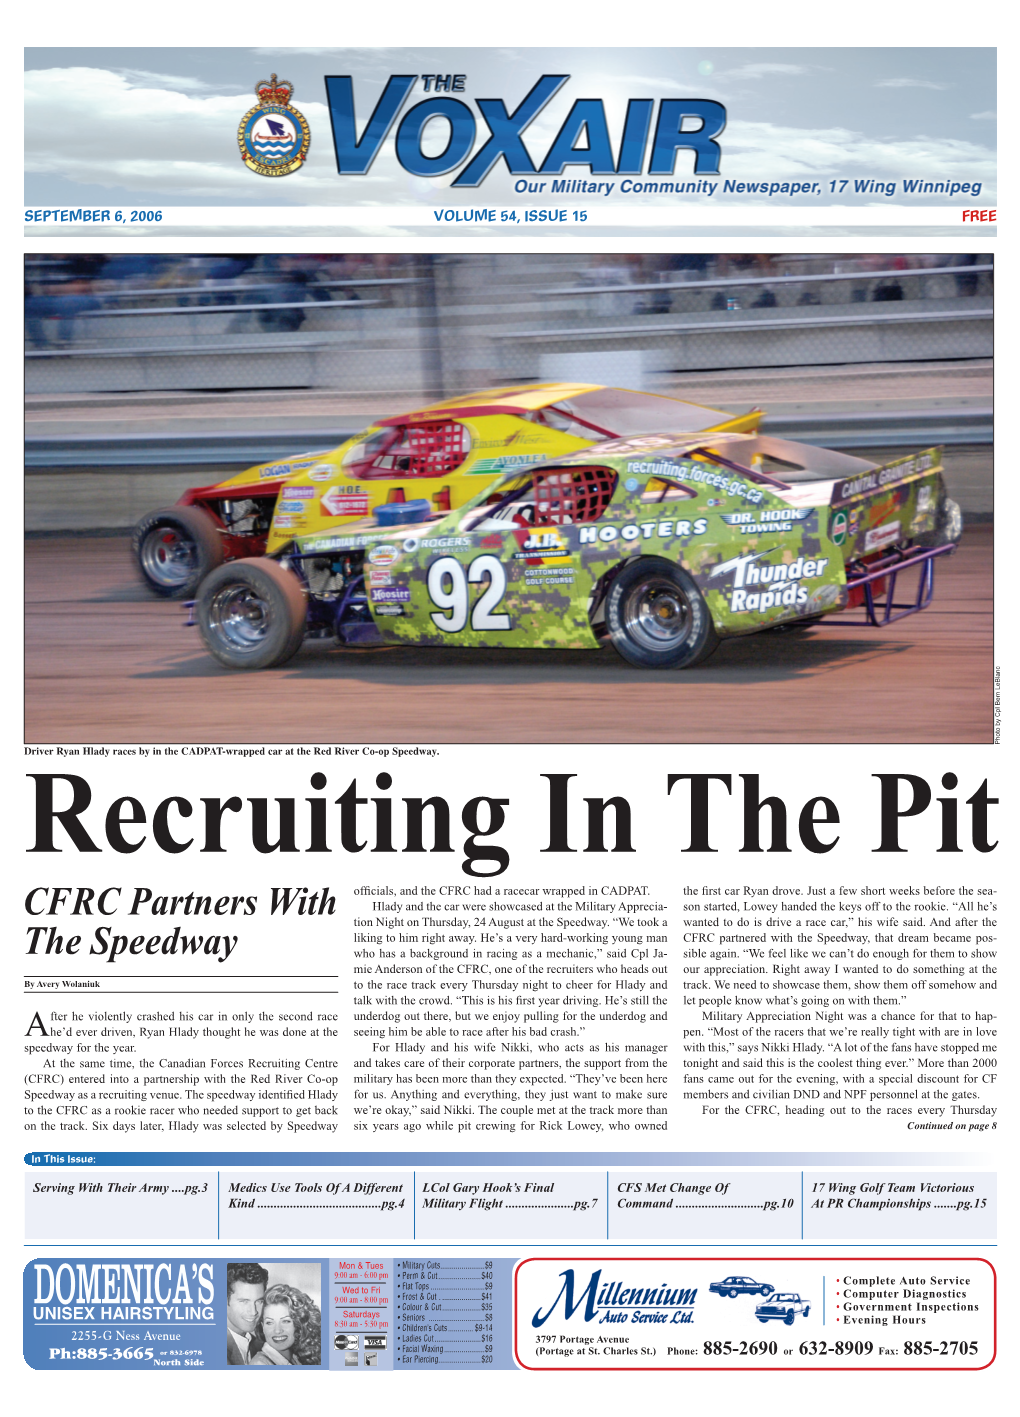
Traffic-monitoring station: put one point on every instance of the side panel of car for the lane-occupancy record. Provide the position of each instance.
(274, 471)
(866, 520)
(520, 586)
(322, 494)
(756, 559)
(326, 496)
(757, 556)
(779, 566)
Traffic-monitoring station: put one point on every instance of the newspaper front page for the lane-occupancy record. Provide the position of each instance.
(511, 825)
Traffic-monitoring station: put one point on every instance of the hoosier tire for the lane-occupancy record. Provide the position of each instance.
(657, 617)
(251, 614)
(175, 549)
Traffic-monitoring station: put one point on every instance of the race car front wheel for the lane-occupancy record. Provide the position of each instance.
(175, 549)
(657, 617)
(251, 614)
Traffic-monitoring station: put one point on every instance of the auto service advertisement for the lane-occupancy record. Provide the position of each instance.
(511, 825)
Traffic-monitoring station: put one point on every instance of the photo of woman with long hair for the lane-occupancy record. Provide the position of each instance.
(289, 1330)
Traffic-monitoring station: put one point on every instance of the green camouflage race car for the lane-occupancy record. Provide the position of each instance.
(661, 544)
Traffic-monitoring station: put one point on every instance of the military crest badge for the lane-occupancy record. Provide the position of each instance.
(273, 136)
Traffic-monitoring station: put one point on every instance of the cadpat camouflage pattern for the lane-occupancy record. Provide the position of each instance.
(702, 537)
(756, 558)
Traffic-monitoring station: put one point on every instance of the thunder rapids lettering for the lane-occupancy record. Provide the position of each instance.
(746, 573)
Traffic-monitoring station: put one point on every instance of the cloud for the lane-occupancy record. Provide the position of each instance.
(96, 127)
(910, 84)
(989, 114)
(142, 78)
(752, 150)
(299, 49)
(761, 71)
(648, 83)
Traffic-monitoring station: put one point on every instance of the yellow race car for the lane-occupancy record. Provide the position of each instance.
(436, 455)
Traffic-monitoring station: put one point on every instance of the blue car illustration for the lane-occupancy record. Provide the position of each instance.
(739, 1284)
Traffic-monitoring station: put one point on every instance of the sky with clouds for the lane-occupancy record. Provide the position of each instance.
(158, 126)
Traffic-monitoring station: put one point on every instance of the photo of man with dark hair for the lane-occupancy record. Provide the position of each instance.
(246, 1292)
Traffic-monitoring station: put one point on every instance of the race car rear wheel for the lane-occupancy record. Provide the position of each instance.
(175, 549)
(251, 614)
(657, 617)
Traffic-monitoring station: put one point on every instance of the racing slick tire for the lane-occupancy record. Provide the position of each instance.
(175, 549)
(251, 614)
(657, 617)
(948, 528)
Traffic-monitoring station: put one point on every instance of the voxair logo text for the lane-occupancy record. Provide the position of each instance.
(649, 141)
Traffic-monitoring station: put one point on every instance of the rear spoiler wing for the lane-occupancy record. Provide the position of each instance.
(864, 484)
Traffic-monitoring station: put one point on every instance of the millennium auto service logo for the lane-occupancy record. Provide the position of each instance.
(273, 136)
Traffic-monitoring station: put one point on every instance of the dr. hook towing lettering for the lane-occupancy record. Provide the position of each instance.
(62, 800)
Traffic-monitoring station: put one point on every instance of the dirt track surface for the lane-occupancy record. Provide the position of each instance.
(106, 663)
